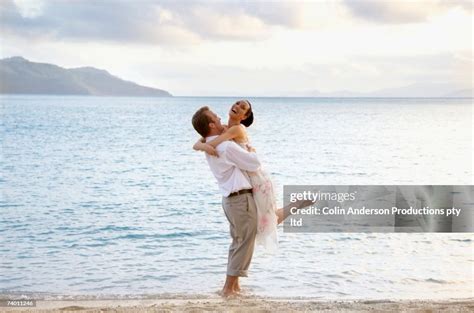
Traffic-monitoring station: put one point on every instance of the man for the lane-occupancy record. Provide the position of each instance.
(238, 203)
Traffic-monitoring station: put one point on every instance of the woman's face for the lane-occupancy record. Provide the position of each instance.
(239, 110)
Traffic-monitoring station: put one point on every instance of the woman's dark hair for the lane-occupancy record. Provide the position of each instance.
(249, 119)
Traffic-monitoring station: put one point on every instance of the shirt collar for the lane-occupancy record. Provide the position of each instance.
(210, 138)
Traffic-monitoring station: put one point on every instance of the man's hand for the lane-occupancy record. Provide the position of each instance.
(210, 150)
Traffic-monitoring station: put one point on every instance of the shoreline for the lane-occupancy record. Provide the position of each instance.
(214, 303)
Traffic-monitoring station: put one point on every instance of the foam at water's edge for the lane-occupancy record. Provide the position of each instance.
(45, 296)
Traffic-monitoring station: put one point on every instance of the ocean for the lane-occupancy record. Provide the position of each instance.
(105, 196)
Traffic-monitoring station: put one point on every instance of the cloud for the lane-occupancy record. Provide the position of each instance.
(29, 8)
(118, 21)
(358, 73)
(401, 12)
(153, 22)
(191, 22)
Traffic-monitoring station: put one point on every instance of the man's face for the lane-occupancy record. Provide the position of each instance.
(215, 122)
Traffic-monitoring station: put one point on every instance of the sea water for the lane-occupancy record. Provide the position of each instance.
(104, 195)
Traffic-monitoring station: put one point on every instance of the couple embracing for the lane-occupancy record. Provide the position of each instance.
(248, 197)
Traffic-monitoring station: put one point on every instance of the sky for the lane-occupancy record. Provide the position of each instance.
(250, 48)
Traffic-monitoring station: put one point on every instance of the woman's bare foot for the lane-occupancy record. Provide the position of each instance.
(283, 213)
(280, 215)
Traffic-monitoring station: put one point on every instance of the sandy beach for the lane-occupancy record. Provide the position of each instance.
(245, 304)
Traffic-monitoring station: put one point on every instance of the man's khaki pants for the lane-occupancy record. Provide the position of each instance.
(241, 213)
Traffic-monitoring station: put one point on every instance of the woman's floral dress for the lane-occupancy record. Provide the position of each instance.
(265, 200)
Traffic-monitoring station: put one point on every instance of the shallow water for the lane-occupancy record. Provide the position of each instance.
(105, 196)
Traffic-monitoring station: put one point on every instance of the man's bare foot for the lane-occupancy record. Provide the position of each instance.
(236, 287)
(228, 289)
(228, 293)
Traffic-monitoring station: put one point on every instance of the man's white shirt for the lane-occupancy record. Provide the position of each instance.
(230, 167)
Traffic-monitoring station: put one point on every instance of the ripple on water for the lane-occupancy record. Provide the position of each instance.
(128, 204)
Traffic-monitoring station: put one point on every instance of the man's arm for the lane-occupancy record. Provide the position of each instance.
(201, 145)
(243, 159)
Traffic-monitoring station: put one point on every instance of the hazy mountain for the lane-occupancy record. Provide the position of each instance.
(20, 76)
(434, 90)
(462, 93)
(418, 90)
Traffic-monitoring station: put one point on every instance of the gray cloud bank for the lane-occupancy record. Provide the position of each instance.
(183, 22)
(401, 12)
(145, 21)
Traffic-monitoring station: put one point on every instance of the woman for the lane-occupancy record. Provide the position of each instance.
(240, 117)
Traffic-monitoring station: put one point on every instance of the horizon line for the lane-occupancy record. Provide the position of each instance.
(238, 96)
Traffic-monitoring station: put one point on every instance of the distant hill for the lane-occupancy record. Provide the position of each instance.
(462, 93)
(435, 90)
(20, 76)
(422, 90)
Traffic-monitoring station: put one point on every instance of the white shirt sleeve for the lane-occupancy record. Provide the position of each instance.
(243, 159)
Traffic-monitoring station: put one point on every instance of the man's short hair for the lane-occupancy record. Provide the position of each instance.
(201, 120)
